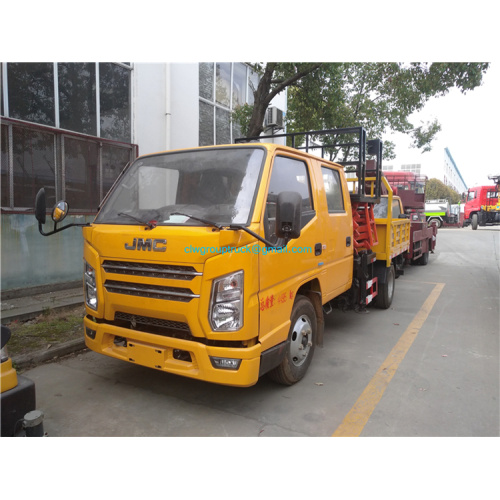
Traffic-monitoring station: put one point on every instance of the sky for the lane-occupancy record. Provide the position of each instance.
(469, 128)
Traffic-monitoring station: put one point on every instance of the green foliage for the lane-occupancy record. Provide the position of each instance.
(378, 96)
(436, 190)
(242, 115)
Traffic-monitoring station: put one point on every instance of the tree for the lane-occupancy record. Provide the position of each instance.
(378, 96)
(274, 78)
(436, 190)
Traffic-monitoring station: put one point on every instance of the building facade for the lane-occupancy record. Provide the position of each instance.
(72, 127)
(451, 175)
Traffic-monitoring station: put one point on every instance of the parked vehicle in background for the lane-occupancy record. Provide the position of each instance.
(439, 212)
(482, 206)
(410, 189)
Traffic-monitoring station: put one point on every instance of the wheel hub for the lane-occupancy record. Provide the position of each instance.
(301, 340)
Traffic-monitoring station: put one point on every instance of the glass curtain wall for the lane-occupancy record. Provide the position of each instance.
(223, 87)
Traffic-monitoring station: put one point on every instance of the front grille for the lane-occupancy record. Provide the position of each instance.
(156, 322)
(165, 328)
(186, 273)
(150, 291)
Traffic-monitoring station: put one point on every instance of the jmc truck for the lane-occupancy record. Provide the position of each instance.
(482, 206)
(217, 263)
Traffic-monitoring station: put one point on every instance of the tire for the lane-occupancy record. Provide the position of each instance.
(383, 300)
(424, 259)
(474, 222)
(300, 344)
(437, 221)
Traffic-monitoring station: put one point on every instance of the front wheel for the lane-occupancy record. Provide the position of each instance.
(474, 221)
(383, 300)
(300, 344)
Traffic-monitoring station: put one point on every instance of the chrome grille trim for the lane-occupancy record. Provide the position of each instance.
(150, 291)
(151, 270)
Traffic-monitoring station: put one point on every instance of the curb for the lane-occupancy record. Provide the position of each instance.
(38, 357)
(18, 314)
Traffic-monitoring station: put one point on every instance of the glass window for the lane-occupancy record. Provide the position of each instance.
(223, 83)
(239, 84)
(380, 209)
(114, 160)
(4, 161)
(333, 190)
(206, 131)
(288, 174)
(253, 82)
(81, 174)
(217, 185)
(31, 92)
(222, 124)
(396, 209)
(34, 166)
(206, 81)
(114, 91)
(77, 97)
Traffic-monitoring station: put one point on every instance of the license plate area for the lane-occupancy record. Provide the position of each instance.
(146, 355)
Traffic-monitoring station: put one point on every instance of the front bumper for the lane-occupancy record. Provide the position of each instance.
(188, 358)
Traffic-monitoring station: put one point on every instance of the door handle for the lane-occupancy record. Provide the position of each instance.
(318, 249)
(348, 241)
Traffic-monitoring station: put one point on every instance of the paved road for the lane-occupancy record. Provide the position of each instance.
(429, 366)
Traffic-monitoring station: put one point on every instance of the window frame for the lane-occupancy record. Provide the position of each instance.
(336, 173)
(215, 104)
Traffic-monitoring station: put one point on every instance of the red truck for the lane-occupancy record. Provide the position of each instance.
(482, 206)
(410, 188)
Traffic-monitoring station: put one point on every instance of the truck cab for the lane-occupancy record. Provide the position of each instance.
(482, 206)
(217, 263)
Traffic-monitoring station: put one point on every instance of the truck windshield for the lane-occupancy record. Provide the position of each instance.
(216, 185)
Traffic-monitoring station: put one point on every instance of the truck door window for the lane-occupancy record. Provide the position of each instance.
(333, 190)
(288, 174)
(396, 209)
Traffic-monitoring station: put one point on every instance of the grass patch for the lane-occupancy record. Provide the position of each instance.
(47, 330)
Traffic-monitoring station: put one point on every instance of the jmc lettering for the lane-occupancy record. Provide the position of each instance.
(147, 245)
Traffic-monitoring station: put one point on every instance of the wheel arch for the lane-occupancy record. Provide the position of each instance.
(312, 290)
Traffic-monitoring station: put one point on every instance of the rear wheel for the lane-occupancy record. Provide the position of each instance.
(424, 259)
(383, 300)
(300, 344)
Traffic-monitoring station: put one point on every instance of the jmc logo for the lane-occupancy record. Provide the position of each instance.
(147, 245)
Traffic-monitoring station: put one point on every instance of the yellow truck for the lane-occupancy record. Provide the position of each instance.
(218, 263)
(394, 232)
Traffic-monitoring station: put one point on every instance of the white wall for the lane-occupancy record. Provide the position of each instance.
(184, 105)
(149, 107)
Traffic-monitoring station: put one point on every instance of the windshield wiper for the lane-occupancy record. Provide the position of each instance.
(151, 224)
(231, 227)
(199, 219)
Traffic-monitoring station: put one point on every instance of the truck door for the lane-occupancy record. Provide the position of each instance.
(282, 271)
(338, 237)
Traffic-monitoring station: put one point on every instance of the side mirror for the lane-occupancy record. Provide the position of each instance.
(58, 214)
(40, 206)
(288, 215)
(60, 211)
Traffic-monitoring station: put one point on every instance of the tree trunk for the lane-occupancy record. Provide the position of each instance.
(266, 92)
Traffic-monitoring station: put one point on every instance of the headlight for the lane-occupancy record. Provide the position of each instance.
(90, 286)
(226, 307)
